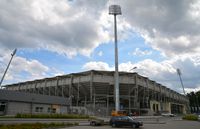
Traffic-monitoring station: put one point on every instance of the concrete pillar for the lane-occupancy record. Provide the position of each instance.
(78, 90)
(107, 106)
(91, 85)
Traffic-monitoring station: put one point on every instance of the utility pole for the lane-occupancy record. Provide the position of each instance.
(12, 55)
(116, 10)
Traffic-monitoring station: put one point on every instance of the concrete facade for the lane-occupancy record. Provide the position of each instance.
(94, 90)
(14, 102)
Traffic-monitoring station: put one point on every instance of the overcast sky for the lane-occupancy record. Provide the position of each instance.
(56, 37)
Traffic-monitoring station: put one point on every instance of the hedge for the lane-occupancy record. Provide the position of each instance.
(190, 117)
(56, 116)
(37, 125)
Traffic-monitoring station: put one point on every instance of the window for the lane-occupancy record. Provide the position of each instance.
(49, 110)
(38, 109)
(2, 106)
(154, 108)
(54, 110)
(41, 109)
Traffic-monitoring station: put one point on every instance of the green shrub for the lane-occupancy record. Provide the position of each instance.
(59, 116)
(36, 125)
(190, 117)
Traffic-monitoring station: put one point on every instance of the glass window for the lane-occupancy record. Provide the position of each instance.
(36, 109)
(54, 110)
(49, 110)
(41, 109)
(2, 106)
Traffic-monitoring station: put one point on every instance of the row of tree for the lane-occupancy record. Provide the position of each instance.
(194, 98)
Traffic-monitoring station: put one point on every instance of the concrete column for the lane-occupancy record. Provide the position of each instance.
(107, 105)
(94, 104)
(35, 88)
(137, 101)
(148, 99)
(70, 86)
(45, 87)
(91, 85)
(62, 92)
(78, 88)
(56, 88)
(19, 87)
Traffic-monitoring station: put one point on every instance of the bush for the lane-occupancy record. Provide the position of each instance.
(36, 125)
(56, 116)
(190, 117)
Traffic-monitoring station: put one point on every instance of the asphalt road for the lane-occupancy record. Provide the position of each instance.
(149, 123)
(174, 124)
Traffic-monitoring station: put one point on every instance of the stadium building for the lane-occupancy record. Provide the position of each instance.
(92, 92)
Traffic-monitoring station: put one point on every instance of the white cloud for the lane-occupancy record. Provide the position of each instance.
(96, 66)
(139, 52)
(22, 69)
(168, 26)
(68, 28)
(163, 72)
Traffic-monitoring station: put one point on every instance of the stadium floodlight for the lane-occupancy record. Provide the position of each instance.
(12, 55)
(116, 10)
(179, 74)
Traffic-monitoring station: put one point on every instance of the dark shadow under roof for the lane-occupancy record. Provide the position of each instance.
(7, 95)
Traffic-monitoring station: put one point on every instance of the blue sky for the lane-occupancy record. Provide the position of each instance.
(69, 65)
(61, 37)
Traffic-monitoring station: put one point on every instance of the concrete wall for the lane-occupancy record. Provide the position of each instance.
(21, 107)
(17, 107)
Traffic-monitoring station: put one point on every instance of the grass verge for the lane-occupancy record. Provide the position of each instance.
(37, 125)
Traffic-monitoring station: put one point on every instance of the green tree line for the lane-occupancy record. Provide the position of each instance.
(194, 98)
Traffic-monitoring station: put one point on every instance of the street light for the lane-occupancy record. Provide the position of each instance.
(116, 10)
(12, 55)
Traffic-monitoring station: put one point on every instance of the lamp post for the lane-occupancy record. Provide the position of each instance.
(12, 55)
(116, 10)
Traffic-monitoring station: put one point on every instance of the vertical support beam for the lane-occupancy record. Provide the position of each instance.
(62, 92)
(49, 88)
(26, 88)
(70, 92)
(129, 100)
(56, 88)
(45, 87)
(19, 87)
(107, 111)
(35, 87)
(137, 101)
(91, 85)
(70, 85)
(148, 99)
(144, 97)
(78, 88)
(94, 104)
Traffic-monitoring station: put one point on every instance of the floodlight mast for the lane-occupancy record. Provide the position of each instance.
(12, 55)
(179, 74)
(116, 10)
